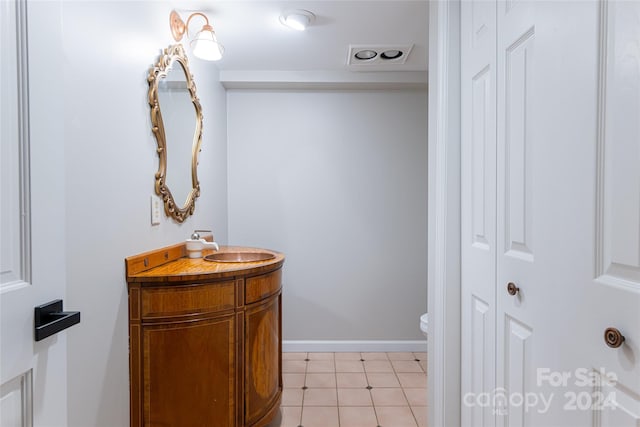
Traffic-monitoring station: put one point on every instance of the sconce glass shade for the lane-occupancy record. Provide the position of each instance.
(205, 45)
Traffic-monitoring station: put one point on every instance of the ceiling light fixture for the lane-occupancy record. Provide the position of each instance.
(298, 19)
(205, 43)
(391, 54)
(382, 56)
(366, 54)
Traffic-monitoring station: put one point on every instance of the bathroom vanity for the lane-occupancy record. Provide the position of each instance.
(205, 339)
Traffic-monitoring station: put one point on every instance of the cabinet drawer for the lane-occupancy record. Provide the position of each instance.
(187, 300)
(258, 287)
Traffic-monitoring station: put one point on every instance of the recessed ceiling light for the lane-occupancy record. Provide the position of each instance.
(366, 54)
(297, 19)
(391, 54)
(384, 56)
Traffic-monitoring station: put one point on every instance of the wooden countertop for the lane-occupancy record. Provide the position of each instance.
(170, 264)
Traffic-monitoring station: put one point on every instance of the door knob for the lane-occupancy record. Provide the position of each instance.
(613, 337)
(512, 288)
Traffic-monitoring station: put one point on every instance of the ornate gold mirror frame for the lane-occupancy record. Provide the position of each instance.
(174, 55)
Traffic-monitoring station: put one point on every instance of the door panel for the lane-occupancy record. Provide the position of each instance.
(481, 176)
(33, 266)
(478, 192)
(617, 212)
(14, 266)
(481, 364)
(616, 406)
(16, 401)
(517, 227)
(518, 358)
(618, 201)
(547, 98)
(517, 163)
(16, 290)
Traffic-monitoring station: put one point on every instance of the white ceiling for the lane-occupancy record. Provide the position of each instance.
(259, 48)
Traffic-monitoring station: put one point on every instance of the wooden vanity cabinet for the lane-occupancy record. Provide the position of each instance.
(206, 352)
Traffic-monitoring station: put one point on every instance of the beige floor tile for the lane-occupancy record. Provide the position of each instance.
(401, 356)
(377, 366)
(412, 380)
(294, 366)
(388, 397)
(349, 366)
(321, 380)
(416, 396)
(294, 356)
(289, 416)
(337, 393)
(320, 397)
(399, 416)
(351, 380)
(347, 356)
(354, 397)
(293, 380)
(318, 416)
(357, 417)
(374, 356)
(406, 366)
(320, 356)
(420, 413)
(291, 397)
(321, 366)
(382, 379)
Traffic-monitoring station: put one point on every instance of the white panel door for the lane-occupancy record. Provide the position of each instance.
(567, 212)
(517, 328)
(478, 204)
(32, 374)
(16, 292)
(545, 179)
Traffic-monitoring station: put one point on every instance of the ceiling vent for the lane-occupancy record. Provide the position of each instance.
(368, 57)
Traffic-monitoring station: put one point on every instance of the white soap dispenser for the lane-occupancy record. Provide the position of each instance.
(195, 245)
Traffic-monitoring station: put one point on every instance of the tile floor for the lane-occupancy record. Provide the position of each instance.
(353, 390)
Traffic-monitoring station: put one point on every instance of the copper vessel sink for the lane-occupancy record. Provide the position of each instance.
(239, 256)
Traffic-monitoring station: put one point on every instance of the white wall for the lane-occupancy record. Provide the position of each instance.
(110, 161)
(338, 182)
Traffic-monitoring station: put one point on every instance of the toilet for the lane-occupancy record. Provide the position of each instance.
(424, 324)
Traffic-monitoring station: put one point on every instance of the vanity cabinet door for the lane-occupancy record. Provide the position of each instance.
(189, 373)
(263, 379)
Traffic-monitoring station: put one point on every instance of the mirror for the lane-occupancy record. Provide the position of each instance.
(176, 119)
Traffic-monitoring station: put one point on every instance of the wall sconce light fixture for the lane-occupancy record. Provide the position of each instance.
(205, 43)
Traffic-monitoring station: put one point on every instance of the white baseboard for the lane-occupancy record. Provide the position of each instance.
(353, 346)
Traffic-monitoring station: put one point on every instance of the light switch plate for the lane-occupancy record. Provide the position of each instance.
(156, 209)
